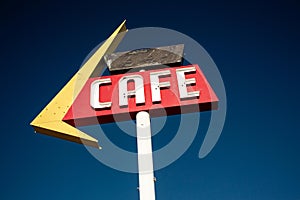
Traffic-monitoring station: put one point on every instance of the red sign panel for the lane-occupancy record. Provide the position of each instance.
(161, 92)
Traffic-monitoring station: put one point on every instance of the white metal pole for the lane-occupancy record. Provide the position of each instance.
(145, 159)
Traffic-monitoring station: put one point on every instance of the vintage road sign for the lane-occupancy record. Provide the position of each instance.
(85, 100)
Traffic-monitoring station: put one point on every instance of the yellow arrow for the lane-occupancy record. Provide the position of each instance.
(49, 121)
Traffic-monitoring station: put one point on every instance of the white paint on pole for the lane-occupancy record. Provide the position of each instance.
(145, 159)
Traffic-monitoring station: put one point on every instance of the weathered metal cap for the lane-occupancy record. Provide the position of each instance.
(146, 57)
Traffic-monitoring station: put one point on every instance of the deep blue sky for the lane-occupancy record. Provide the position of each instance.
(256, 48)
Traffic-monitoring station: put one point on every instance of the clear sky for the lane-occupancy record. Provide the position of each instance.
(256, 48)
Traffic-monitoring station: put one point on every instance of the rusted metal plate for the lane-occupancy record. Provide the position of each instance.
(146, 57)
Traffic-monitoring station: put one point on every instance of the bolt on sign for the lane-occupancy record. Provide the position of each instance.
(161, 91)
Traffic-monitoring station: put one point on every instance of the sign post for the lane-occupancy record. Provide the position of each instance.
(145, 159)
